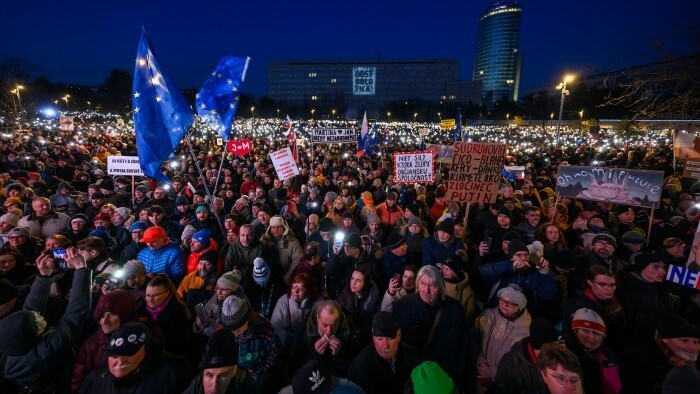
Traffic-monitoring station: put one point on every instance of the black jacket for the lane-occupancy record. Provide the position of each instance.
(517, 373)
(375, 375)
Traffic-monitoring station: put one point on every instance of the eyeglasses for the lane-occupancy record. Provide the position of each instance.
(606, 285)
(563, 380)
(298, 286)
(152, 296)
(508, 303)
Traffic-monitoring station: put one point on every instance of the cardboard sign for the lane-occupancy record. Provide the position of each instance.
(616, 185)
(447, 124)
(124, 165)
(413, 167)
(691, 169)
(475, 172)
(284, 164)
(333, 136)
(239, 147)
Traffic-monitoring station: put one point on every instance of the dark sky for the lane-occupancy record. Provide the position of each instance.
(79, 41)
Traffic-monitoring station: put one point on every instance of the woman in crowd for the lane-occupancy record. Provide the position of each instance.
(360, 301)
(400, 286)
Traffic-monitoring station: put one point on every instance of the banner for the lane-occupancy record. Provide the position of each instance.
(691, 169)
(65, 123)
(413, 168)
(364, 81)
(513, 172)
(442, 153)
(239, 147)
(476, 172)
(686, 146)
(447, 124)
(683, 276)
(284, 164)
(333, 136)
(124, 165)
(615, 185)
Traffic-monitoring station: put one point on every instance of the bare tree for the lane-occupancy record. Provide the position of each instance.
(15, 73)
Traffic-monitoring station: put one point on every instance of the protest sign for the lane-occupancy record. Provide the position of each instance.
(284, 164)
(691, 169)
(616, 185)
(447, 124)
(475, 172)
(239, 147)
(65, 123)
(333, 136)
(124, 165)
(442, 153)
(683, 276)
(686, 146)
(413, 167)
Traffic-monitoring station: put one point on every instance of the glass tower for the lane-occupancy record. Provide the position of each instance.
(497, 63)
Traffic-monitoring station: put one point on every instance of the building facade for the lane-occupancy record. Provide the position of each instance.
(498, 58)
(355, 83)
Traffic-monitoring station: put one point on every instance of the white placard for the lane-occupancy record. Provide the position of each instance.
(413, 167)
(284, 164)
(333, 136)
(123, 165)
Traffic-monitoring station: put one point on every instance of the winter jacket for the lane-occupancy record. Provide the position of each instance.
(171, 326)
(600, 369)
(643, 368)
(242, 383)
(535, 284)
(168, 260)
(361, 310)
(643, 303)
(259, 350)
(242, 257)
(376, 375)
(498, 335)
(517, 373)
(90, 356)
(392, 263)
(388, 217)
(463, 293)
(347, 334)
(54, 223)
(289, 251)
(289, 318)
(435, 251)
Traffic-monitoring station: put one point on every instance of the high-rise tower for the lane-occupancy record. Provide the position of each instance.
(497, 63)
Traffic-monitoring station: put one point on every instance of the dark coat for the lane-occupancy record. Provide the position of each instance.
(449, 343)
(375, 375)
(242, 383)
(643, 303)
(643, 369)
(171, 326)
(517, 373)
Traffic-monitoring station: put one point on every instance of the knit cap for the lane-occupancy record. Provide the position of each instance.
(447, 226)
(505, 211)
(123, 211)
(395, 240)
(18, 333)
(188, 232)
(605, 237)
(181, 200)
(133, 268)
(10, 218)
(415, 220)
(261, 272)
(234, 312)
(516, 246)
(372, 219)
(513, 294)
(588, 318)
(118, 302)
(429, 378)
(230, 280)
(642, 260)
(674, 326)
(541, 332)
(221, 351)
(634, 238)
(139, 225)
(202, 236)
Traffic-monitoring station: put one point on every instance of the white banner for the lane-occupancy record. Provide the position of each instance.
(333, 136)
(123, 165)
(284, 164)
(413, 167)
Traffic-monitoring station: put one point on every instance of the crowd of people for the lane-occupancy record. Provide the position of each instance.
(229, 280)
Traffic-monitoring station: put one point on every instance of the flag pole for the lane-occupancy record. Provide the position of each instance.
(673, 139)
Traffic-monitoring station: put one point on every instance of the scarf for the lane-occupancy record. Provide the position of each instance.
(154, 312)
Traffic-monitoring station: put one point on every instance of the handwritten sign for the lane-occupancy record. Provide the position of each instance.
(692, 169)
(413, 167)
(616, 185)
(124, 165)
(239, 147)
(284, 164)
(475, 172)
(447, 124)
(333, 136)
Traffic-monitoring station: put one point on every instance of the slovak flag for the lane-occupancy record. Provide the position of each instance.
(363, 134)
(291, 136)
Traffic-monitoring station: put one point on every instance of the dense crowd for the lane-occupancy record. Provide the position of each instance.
(230, 280)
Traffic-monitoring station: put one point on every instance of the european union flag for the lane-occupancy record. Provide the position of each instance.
(371, 140)
(458, 128)
(217, 100)
(161, 114)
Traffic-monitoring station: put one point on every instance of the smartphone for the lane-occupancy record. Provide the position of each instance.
(397, 277)
(59, 259)
(489, 241)
(534, 260)
(112, 284)
(338, 241)
(201, 314)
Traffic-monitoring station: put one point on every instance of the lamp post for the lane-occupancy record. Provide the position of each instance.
(65, 98)
(312, 112)
(564, 93)
(252, 112)
(333, 111)
(388, 117)
(415, 115)
(18, 107)
(581, 115)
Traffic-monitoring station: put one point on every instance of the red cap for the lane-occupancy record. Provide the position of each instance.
(153, 233)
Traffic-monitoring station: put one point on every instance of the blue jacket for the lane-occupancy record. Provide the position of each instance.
(435, 252)
(168, 260)
(536, 285)
(393, 264)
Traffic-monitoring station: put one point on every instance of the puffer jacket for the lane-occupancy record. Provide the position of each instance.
(168, 260)
(462, 292)
(55, 223)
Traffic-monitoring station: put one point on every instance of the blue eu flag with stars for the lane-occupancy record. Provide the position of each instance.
(161, 113)
(217, 100)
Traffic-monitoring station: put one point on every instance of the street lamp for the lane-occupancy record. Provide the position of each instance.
(415, 115)
(333, 111)
(65, 98)
(564, 93)
(16, 91)
(252, 112)
(278, 112)
(388, 117)
(312, 112)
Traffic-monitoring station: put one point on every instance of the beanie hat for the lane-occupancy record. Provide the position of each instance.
(63, 185)
(373, 219)
(392, 196)
(22, 231)
(605, 237)
(261, 272)
(439, 193)
(395, 240)
(413, 208)
(201, 208)
(347, 215)
(133, 268)
(267, 209)
(118, 302)
(10, 218)
(141, 188)
(674, 326)
(229, 280)
(221, 351)
(455, 263)
(234, 312)
(642, 260)
(541, 332)
(101, 233)
(79, 216)
(512, 293)
(128, 339)
(429, 378)
(634, 238)
(139, 225)
(325, 224)
(505, 211)
(331, 196)
(202, 236)
(18, 333)
(13, 200)
(210, 256)
(8, 291)
(415, 220)
(516, 246)
(588, 318)
(181, 200)
(123, 211)
(314, 377)
(353, 239)
(512, 235)
(96, 195)
(447, 226)
(188, 232)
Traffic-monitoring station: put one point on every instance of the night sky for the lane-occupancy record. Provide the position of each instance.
(79, 41)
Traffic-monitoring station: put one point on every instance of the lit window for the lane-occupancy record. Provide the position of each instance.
(333, 80)
(314, 98)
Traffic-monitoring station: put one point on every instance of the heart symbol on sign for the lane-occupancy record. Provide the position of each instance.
(239, 147)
